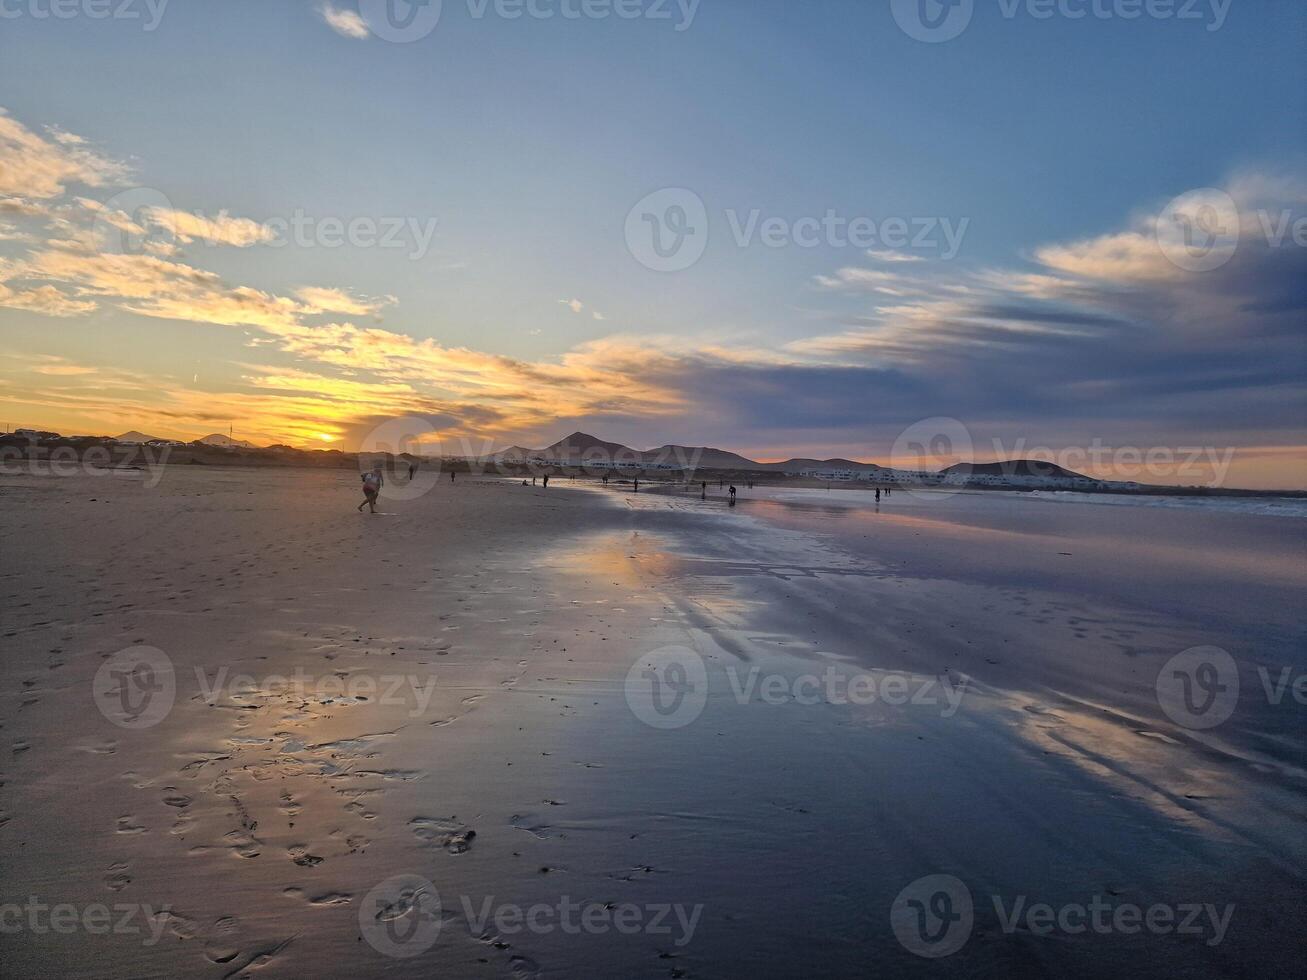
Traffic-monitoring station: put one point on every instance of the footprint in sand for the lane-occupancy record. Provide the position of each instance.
(221, 940)
(360, 810)
(127, 825)
(454, 837)
(301, 856)
(117, 878)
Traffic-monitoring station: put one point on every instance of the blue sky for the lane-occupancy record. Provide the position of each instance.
(529, 140)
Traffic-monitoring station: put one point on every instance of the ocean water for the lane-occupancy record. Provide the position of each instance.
(1265, 506)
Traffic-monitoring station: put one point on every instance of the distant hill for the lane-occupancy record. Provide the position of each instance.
(1013, 467)
(582, 446)
(579, 445)
(135, 436)
(218, 439)
(797, 465)
(703, 456)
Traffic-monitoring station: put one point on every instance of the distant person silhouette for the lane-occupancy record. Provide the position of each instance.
(732, 493)
(412, 468)
(878, 495)
(637, 484)
(546, 479)
(452, 474)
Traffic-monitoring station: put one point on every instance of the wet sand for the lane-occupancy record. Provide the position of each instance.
(445, 691)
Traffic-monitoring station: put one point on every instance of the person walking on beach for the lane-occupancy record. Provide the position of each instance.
(412, 468)
(732, 493)
(878, 495)
(546, 479)
(373, 480)
(452, 474)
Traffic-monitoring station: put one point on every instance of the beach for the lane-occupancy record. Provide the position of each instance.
(507, 731)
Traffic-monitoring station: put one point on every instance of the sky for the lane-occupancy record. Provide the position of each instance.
(1067, 228)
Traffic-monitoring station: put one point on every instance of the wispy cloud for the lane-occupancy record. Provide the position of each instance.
(34, 167)
(321, 299)
(221, 229)
(346, 23)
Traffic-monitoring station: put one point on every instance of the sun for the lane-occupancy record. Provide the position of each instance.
(324, 437)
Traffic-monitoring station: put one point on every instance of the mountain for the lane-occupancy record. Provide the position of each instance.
(582, 447)
(218, 439)
(704, 457)
(135, 436)
(1014, 467)
(796, 465)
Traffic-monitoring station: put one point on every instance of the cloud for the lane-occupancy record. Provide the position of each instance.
(882, 255)
(346, 23)
(34, 167)
(1096, 336)
(320, 299)
(219, 230)
(43, 299)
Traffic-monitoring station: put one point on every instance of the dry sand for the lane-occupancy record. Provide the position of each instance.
(441, 691)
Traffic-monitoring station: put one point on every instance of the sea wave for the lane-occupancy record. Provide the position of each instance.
(1265, 506)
